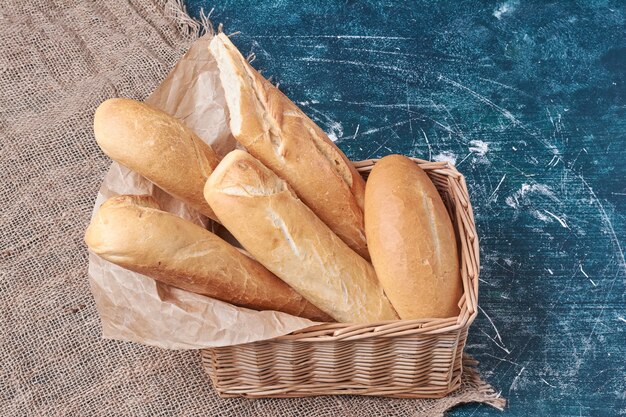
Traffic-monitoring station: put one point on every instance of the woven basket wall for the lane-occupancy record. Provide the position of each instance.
(402, 358)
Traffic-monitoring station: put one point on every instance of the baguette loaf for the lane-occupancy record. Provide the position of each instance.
(411, 240)
(282, 137)
(157, 146)
(283, 234)
(131, 231)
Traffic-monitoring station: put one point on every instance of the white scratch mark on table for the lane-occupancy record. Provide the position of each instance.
(514, 383)
(444, 127)
(607, 221)
(356, 132)
(501, 345)
(583, 271)
(501, 359)
(358, 64)
(385, 105)
(489, 80)
(485, 282)
(378, 129)
(599, 316)
(547, 383)
(482, 98)
(558, 219)
(497, 188)
(335, 128)
(430, 150)
(447, 57)
(379, 148)
(464, 158)
(408, 107)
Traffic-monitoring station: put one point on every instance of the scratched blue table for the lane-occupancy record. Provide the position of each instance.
(529, 101)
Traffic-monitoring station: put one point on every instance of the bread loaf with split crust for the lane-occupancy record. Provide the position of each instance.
(275, 131)
(131, 231)
(282, 233)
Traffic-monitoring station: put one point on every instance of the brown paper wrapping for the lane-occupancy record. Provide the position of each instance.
(136, 308)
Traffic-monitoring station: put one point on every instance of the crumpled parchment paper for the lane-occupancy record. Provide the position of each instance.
(136, 308)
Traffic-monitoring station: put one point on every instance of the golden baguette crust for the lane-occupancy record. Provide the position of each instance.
(131, 231)
(411, 240)
(282, 233)
(282, 137)
(157, 146)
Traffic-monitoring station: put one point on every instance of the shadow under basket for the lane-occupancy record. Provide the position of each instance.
(400, 358)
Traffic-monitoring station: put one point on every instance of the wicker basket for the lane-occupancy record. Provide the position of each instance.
(402, 358)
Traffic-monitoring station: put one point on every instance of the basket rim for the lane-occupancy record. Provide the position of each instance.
(465, 229)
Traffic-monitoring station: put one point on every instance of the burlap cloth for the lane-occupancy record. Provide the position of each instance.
(58, 61)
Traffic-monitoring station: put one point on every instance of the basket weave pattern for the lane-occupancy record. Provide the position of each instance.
(400, 358)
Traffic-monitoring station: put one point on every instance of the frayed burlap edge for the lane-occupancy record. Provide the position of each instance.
(488, 394)
(190, 27)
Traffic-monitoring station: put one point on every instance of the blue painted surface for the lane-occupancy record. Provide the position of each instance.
(529, 100)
